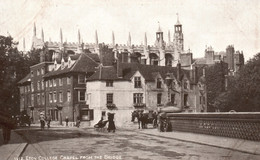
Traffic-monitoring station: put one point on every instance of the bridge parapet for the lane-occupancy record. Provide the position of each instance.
(243, 125)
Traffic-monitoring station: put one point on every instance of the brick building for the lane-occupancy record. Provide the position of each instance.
(58, 85)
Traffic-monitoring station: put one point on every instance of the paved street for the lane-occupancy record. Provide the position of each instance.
(74, 143)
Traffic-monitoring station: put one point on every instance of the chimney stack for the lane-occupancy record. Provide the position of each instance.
(119, 67)
(179, 71)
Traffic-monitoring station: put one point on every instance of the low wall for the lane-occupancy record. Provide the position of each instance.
(241, 125)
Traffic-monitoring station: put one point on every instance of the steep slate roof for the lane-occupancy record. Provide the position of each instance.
(129, 69)
(85, 63)
(25, 79)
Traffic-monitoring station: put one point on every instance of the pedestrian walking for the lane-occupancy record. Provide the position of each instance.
(67, 121)
(48, 119)
(42, 121)
(111, 123)
(7, 123)
(78, 122)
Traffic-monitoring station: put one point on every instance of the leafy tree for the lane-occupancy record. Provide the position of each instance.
(243, 93)
(11, 70)
(14, 66)
(215, 82)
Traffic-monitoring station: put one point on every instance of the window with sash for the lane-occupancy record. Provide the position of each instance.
(60, 97)
(109, 98)
(81, 95)
(68, 96)
(81, 79)
(137, 81)
(109, 83)
(138, 98)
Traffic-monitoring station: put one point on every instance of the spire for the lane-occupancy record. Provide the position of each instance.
(169, 37)
(23, 44)
(113, 38)
(96, 36)
(42, 36)
(79, 36)
(159, 29)
(145, 40)
(61, 37)
(34, 29)
(161, 41)
(178, 22)
(129, 39)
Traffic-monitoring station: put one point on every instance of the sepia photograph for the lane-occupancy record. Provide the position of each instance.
(129, 80)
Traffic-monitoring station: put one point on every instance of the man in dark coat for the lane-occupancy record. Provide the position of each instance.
(7, 124)
(111, 123)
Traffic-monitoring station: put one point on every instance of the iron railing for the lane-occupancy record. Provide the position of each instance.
(236, 125)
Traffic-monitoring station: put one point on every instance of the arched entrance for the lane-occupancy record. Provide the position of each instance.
(168, 59)
(154, 59)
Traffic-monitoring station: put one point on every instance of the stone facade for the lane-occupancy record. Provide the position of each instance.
(161, 53)
(142, 87)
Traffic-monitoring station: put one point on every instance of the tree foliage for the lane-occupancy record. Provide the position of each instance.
(215, 82)
(243, 93)
(14, 66)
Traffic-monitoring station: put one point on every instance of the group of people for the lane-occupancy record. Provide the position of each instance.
(144, 118)
(110, 120)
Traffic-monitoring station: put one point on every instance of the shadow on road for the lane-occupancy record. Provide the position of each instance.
(36, 135)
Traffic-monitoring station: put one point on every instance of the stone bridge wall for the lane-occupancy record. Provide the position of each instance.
(241, 125)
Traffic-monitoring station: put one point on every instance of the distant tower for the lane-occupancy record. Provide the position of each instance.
(159, 38)
(37, 43)
(230, 51)
(209, 55)
(178, 40)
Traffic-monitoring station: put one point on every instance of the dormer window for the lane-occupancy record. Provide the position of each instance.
(137, 81)
(38, 72)
(31, 73)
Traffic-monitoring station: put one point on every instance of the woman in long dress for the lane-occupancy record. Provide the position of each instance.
(111, 123)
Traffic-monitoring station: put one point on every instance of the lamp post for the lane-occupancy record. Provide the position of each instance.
(60, 108)
(32, 108)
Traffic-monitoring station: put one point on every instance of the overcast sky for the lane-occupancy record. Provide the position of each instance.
(205, 22)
